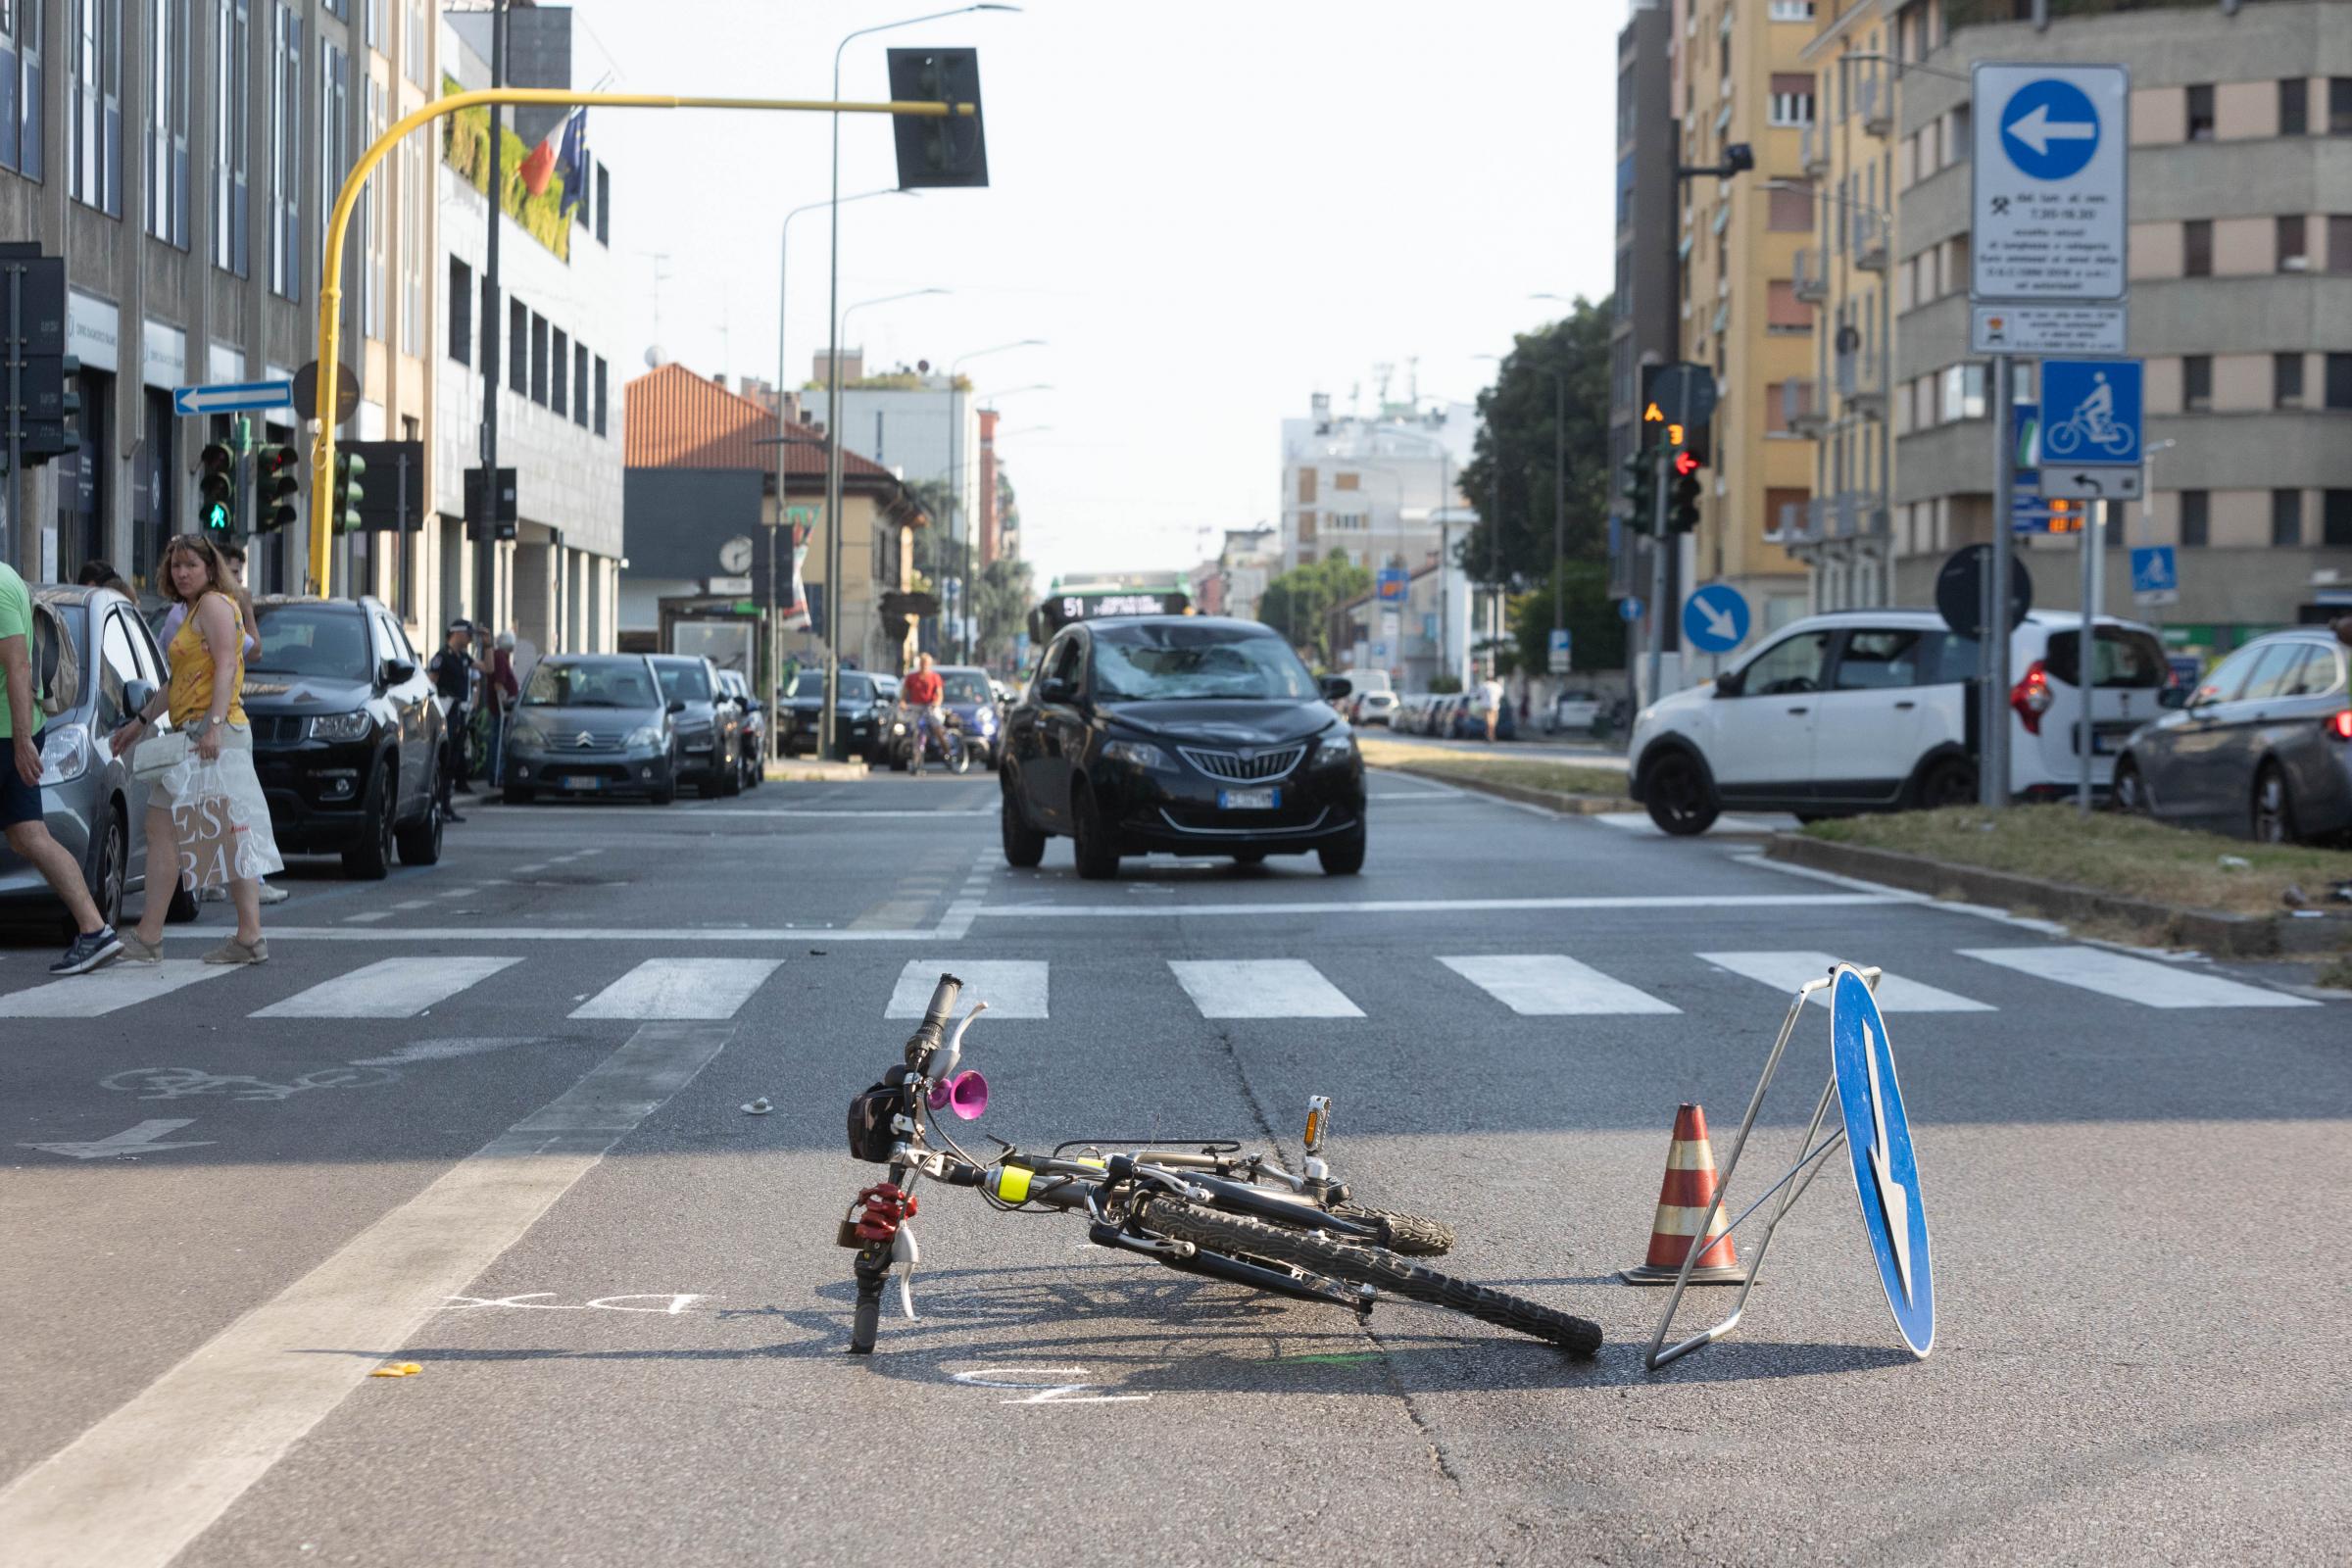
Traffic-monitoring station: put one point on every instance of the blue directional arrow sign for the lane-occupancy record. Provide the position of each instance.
(2090, 412)
(2050, 129)
(2049, 184)
(1715, 618)
(232, 397)
(1878, 1140)
(1629, 609)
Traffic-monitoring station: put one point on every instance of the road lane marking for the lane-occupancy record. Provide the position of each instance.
(444, 1050)
(680, 988)
(389, 988)
(1785, 971)
(139, 1487)
(117, 986)
(370, 916)
(1012, 988)
(1550, 984)
(1261, 988)
(2140, 980)
(472, 936)
(1639, 822)
(1656, 900)
(139, 1140)
(406, 904)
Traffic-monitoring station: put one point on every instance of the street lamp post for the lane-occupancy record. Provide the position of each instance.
(956, 473)
(834, 322)
(1560, 485)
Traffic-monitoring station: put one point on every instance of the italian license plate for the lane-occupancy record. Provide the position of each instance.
(1265, 800)
(583, 781)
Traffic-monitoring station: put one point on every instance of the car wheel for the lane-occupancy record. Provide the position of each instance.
(1345, 856)
(1025, 846)
(2273, 817)
(370, 859)
(1948, 782)
(519, 795)
(731, 781)
(1089, 841)
(1679, 800)
(958, 759)
(664, 793)
(109, 871)
(420, 840)
(2130, 793)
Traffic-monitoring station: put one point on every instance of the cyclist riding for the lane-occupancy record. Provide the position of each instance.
(923, 695)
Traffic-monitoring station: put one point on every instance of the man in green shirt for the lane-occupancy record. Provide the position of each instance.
(22, 819)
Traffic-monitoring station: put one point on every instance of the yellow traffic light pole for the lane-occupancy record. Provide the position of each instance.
(330, 290)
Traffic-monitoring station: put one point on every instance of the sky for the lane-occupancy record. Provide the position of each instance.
(1209, 212)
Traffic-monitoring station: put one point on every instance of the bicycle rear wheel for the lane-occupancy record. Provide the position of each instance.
(1364, 1265)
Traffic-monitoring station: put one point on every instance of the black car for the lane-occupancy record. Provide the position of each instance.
(860, 713)
(710, 727)
(1191, 734)
(346, 733)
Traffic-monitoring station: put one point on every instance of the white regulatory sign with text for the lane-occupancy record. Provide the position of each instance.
(2061, 330)
(2049, 192)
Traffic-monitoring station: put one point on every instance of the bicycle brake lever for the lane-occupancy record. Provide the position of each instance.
(904, 1256)
(949, 1057)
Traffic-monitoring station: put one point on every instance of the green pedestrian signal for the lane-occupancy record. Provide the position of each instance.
(216, 491)
(343, 503)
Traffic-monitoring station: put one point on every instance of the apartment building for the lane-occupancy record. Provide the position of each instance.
(1646, 302)
(182, 155)
(1372, 486)
(1740, 76)
(2241, 303)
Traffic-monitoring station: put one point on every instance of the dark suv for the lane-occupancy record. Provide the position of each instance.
(346, 733)
(710, 726)
(1185, 733)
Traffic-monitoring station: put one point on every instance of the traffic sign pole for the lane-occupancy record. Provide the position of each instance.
(1657, 583)
(1992, 750)
(2086, 664)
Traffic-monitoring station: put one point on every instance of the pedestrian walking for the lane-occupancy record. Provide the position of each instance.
(1490, 699)
(452, 669)
(502, 690)
(22, 820)
(207, 822)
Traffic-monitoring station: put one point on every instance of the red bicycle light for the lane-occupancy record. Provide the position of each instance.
(2340, 726)
(2031, 698)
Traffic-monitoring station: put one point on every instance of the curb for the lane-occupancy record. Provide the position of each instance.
(2249, 936)
(1550, 800)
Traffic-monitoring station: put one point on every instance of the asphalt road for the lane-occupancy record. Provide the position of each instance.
(487, 1119)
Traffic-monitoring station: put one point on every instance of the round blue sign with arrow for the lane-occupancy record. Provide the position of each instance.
(1715, 618)
(1878, 1138)
(2050, 129)
(1629, 609)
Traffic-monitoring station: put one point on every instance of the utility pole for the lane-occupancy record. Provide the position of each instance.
(1993, 763)
(493, 328)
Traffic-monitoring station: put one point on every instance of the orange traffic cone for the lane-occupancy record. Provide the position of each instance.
(1683, 1200)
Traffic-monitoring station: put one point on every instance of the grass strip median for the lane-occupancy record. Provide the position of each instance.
(1521, 772)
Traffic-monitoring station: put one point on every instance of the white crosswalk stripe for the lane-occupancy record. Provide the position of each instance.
(394, 988)
(1552, 985)
(1012, 988)
(2140, 980)
(1785, 971)
(117, 986)
(680, 988)
(1261, 988)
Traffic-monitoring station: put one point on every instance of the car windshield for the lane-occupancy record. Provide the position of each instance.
(685, 682)
(1173, 661)
(957, 686)
(311, 640)
(597, 683)
(855, 688)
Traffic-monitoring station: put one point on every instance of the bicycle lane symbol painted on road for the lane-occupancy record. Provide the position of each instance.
(1043, 1384)
(183, 1083)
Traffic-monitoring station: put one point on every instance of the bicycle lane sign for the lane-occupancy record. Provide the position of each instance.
(2090, 412)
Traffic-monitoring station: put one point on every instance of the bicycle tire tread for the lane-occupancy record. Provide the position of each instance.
(1410, 1234)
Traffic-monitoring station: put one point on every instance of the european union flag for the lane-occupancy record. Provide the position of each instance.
(572, 161)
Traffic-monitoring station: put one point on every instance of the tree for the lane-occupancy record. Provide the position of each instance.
(1299, 602)
(1515, 440)
(1595, 632)
(1003, 601)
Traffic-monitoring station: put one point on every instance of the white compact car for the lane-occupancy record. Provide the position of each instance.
(1869, 711)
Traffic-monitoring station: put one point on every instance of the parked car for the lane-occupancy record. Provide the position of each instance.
(1572, 713)
(593, 724)
(751, 719)
(1869, 709)
(98, 665)
(860, 713)
(709, 729)
(2263, 746)
(971, 706)
(1192, 734)
(347, 733)
(1374, 707)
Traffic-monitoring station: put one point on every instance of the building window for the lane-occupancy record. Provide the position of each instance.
(1790, 11)
(603, 204)
(413, 41)
(2340, 106)
(229, 137)
(94, 105)
(335, 134)
(461, 312)
(413, 177)
(2295, 106)
(2338, 384)
(166, 141)
(539, 360)
(579, 385)
(600, 397)
(2196, 381)
(2201, 113)
(2286, 517)
(1963, 392)
(373, 12)
(2339, 243)
(2336, 520)
(2286, 380)
(1792, 99)
(2196, 517)
(559, 396)
(372, 282)
(2196, 248)
(1784, 311)
(285, 214)
(1792, 210)
(20, 74)
(518, 347)
(2292, 238)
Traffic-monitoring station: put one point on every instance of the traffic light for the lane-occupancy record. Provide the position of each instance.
(216, 491)
(346, 494)
(1640, 487)
(278, 484)
(1681, 496)
(52, 407)
(949, 151)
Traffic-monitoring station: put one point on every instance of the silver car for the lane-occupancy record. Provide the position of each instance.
(92, 650)
(2263, 746)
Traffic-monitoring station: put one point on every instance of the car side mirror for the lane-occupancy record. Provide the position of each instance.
(136, 695)
(1054, 691)
(395, 670)
(677, 704)
(1333, 689)
(1732, 683)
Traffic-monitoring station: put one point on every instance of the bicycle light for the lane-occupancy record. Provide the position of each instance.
(1318, 1122)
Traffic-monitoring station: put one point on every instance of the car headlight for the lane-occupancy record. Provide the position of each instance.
(65, 754)
(349, 726)
(526, 736)
(987, 720)
(899, 728)
(1334, 751)
(1141, 754)
(649, 736)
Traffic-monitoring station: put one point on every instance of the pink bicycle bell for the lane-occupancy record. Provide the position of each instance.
(966, 1093)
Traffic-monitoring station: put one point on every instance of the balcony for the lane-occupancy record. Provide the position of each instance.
(1813, 149)
(1811, 278)
(1862, 385)
(1869, 236)
(1799, 523)
(1801, 409)
(1874, 96)
(1856, 515)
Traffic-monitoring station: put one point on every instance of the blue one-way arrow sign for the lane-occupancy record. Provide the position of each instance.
(232, 397)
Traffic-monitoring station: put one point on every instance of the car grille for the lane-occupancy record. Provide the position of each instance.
(1244, 767)
(567, 745)
(276, 729)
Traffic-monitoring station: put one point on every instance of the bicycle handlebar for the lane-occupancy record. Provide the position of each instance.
(933, 1029)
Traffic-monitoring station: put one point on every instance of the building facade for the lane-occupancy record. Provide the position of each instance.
(1646, 302)
(1371, 486)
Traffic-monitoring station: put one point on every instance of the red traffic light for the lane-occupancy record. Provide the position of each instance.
(1685, 465)
(276, 461)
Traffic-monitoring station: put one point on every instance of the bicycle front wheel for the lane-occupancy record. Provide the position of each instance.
(1363, 1265)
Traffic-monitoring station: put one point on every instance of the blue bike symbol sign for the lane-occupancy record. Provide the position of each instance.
(2090, 412)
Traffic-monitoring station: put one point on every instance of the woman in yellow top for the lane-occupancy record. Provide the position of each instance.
(206, 655)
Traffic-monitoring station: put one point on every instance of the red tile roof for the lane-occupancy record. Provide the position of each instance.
(678, 419)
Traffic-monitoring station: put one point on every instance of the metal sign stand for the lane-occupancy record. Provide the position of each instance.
(1809, 1163)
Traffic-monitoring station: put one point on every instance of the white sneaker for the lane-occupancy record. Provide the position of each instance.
(274, 895)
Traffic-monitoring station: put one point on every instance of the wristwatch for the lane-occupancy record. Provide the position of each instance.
(197, 728)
